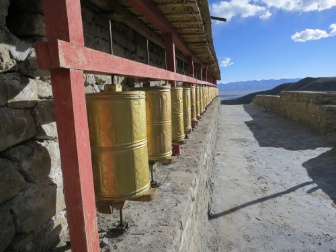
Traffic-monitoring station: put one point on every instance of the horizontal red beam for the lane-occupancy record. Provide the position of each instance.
(72, 56)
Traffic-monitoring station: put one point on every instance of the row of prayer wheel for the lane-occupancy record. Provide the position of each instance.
(131, 128)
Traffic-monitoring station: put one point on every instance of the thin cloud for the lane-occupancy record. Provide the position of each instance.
(262, 8)
(314, 34)
(241, 8)
(226, 62)
(300, 5)
(333, 30)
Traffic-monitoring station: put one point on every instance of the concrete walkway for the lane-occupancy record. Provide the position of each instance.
(274, 185)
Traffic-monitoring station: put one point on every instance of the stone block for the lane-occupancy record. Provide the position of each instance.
(21, 91)
(30, 68)
(16, 126)
(27, 25)
(44, 89)
(87, 14)
(102, 79)
(34, 158)
(49, 236)
(34, 206)
(89, 79)
(27, 6)
(118, 50)
(4, 4)
(118, 38)
(43, 239)
(60, 200)
(6, 61)
(55, 169)
(45, 120)
(91, 89)
(47, 131)
(7, 230)
(6, 81)
(23, 242)
(19, 49)
(11, 181)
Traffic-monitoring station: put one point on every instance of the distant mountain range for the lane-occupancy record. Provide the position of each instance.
(306, 84)
(257, 85)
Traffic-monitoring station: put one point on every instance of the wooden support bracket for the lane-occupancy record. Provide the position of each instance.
(187, 131)
(180, 142)
(167, 160)
(149, 195)
(177, 150)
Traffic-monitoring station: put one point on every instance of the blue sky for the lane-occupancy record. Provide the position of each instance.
(273, 39)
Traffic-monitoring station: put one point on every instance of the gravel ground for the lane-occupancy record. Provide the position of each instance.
(274, 185)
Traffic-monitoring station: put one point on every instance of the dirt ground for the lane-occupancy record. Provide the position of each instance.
(274, 184)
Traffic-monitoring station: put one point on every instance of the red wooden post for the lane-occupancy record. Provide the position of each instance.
(64, 21)
(170, 55)
(177, 149)
(191, 73)
(191, 66)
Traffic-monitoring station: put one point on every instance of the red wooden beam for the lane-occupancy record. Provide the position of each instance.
(72, 56)
(64, 21)
(152, 13)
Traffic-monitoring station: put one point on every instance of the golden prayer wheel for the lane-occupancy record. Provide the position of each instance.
(201, 100)
(118, 138)
(193, 103)
(198, 103)
(208, 95)
(159, 128)
(177, 114)
(186, 110)
(205, 97)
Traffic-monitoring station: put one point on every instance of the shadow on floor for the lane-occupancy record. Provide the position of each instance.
(322, 170)
(272, 130)
(253, 202)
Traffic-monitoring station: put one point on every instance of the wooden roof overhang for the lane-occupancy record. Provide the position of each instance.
(187, 20)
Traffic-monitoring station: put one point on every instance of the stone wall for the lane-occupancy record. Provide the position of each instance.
(194, 220)
(315, 109)
(32, 208)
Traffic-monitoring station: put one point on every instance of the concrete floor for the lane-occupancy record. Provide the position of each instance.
(274, 185)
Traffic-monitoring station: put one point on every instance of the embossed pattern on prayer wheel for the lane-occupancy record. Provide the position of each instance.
(207, 96)
(118, 138)
(193, 103)
(186, 109)
(198, 103)
(159, 127)
(177, 114)
(201, 100)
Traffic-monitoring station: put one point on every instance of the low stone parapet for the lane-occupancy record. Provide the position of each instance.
(315, 109)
